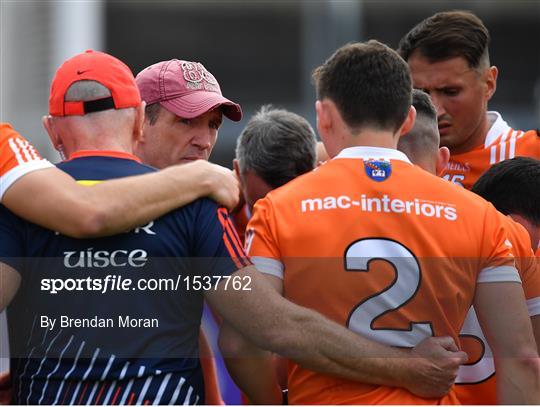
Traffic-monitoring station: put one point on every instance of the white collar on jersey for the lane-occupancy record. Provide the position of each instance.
(375, 153)
(498, 127)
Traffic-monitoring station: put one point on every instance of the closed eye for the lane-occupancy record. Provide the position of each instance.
(450, 91)
(215, 125)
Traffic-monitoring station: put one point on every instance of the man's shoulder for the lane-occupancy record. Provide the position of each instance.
(500, 133)
(519, 236)
(101, 168)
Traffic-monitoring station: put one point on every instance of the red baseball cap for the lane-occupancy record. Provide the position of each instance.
(93, 66)
(184, 88)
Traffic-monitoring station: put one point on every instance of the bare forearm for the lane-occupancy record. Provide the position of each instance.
(271, 322)
(250, 367)
(327, 347)
(10, 281)
(305, 336)
(136, 201)
(53, 200)
(509, 332)
(514, 387)
(536, 330)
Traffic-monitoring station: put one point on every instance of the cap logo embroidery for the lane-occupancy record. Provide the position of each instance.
(197, 77)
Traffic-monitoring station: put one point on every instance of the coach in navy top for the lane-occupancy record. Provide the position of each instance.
(80, 333)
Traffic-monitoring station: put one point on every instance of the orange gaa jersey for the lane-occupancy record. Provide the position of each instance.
(501, 143)
(476, 381)
(17, 157)
(382, 247)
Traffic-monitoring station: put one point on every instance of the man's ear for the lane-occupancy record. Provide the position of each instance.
(491, 81)
(48, 124)
(236, 168)
(442, 160)
(408, 123)
(324, 119)
(138, 126)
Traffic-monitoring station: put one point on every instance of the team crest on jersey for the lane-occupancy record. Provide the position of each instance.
(378, 170)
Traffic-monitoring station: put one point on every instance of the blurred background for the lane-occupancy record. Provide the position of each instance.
(260, 51)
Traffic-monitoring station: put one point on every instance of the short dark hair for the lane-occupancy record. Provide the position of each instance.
(278, 145)
(423, 104)
(423, 140)
(513, 186)
(151, 113)
(447, 35)
(369, 83)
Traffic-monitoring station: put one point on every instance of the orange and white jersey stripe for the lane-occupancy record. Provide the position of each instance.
(476, 381)
(501, 143)
(232, 241)
(382, 247)
(17, 157)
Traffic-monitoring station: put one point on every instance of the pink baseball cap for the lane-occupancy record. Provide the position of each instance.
(184, 88)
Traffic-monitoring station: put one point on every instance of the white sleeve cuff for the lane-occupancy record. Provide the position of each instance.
(533, 305)
(269, 266)
(499, 274)
(17, 172)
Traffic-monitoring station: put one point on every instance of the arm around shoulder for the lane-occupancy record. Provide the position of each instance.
(52, 199)
(314, 342)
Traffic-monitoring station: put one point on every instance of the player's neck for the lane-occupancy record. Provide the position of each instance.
(477, 138)
(372, 138)
(95, 145)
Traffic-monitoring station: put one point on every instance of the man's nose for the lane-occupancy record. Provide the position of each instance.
(203, 140)
(438, 104)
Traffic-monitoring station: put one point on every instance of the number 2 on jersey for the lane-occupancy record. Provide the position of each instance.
(404, 287)
(483, 368)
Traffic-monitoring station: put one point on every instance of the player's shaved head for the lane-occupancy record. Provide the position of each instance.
(421, 144)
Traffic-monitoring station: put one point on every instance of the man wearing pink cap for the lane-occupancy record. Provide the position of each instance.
(184, 108)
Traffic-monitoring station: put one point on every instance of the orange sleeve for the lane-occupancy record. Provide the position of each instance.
(528, 144)
(528, 265)
(17, 157)
(261, 239)
(497, 256)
